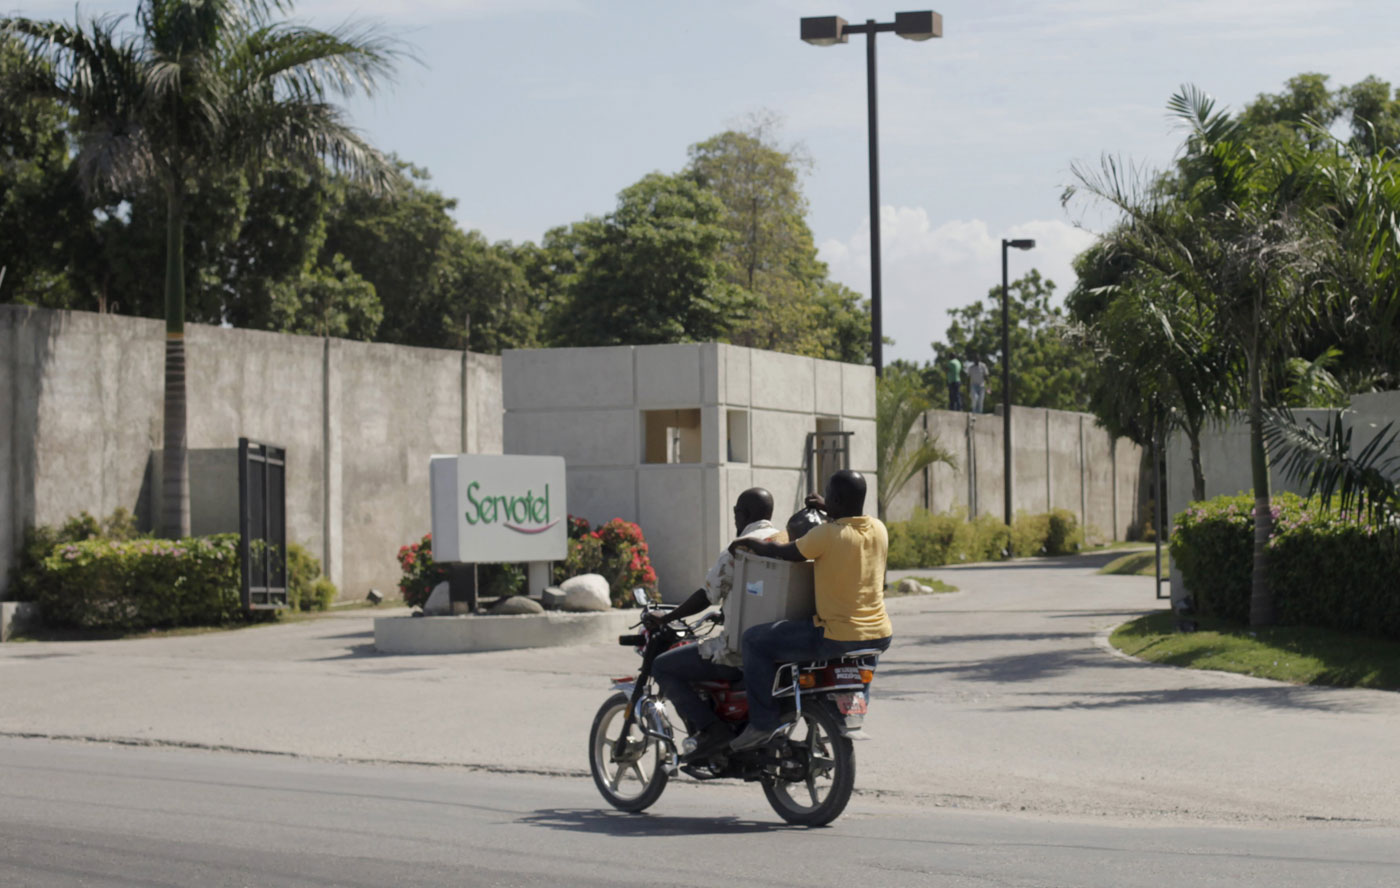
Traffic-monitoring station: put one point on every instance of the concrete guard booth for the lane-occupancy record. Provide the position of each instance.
(668, 436)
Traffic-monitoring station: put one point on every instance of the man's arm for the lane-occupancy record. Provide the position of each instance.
(698, 601)
(782, 551)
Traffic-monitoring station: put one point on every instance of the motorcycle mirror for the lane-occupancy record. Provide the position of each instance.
(640, 595)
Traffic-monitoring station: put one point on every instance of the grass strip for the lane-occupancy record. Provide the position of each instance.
(1297, 654)
(1137, 564)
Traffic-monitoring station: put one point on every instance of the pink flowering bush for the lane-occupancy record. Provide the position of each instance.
(420, 573)
(1327, 569)
(144, 583)
(617, 551)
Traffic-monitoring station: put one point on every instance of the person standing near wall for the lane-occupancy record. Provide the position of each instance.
(977, 374)
(954, 368)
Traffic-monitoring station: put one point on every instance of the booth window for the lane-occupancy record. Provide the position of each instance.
(671, 436)
(737, 436)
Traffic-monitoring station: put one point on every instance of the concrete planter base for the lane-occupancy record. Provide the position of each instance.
(16, 616)
(470, 633)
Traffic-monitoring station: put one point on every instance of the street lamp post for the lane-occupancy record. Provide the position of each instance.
(1021, 244)
(827, 31)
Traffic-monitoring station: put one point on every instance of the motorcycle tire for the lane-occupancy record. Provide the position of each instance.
(632, 785)
(831, 771)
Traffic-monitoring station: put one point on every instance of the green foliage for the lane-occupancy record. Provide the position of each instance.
(901, 451)
(29, 579)
(930, 540)
(307, 589)
(1056, 532)
(617, 551)
(1048, 369)
(143, 583)
(420, 573)
(1328, 569)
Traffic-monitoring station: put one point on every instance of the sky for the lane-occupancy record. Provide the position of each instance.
(536, 113)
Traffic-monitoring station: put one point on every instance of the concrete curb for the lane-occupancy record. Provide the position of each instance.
(471, 633)
(16, 616)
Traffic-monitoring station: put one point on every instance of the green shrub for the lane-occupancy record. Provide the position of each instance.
(307, 589)
(142, 583)
(929, 540)
(1064, 536)
(1028, 535)
(29, 579)
(322, 595)
(1327, 570)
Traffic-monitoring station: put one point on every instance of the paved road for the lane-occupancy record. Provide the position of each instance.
(94, 815)
(998, 698)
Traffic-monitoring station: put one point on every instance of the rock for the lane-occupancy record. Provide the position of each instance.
(438, 603)
(926, 590)
(908, 586)
(516, 604)
(552, 598)
(586, 592)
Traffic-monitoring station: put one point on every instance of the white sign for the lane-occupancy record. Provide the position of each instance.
(495, 509)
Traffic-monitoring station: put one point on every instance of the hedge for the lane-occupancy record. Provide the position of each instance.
(142, 583)
(1326, 569)
(929, 540)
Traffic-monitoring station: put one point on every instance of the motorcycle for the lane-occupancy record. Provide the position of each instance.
(807, 772)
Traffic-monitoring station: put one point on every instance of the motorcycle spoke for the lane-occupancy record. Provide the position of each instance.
(617, 777)
(636, 769)
(812, 789)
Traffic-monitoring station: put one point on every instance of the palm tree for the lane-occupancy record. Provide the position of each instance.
(1243, 232)
(199, 85)
(901, 452)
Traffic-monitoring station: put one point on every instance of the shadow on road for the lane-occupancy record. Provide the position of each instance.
(617, 823)
(1085, 561)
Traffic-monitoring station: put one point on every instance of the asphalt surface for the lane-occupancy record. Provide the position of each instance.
(97, 815)
(1002, 697)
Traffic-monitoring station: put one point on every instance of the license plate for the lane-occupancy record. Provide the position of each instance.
(851, 703)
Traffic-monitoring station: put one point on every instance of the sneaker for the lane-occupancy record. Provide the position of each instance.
(753, 738)
(709, 741)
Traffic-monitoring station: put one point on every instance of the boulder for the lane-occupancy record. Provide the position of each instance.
(552, 598)
(438, 603)
(516, 604)
(586, 592)
(908, 586)
(926, 590)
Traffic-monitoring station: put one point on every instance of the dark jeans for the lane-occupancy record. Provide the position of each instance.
(677, 669)
(768, 644)
(955, 396)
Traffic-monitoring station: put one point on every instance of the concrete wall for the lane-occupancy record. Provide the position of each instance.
(590, 406)
(81, 396)
(1059, 460)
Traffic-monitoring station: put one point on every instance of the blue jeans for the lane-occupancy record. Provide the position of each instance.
(680, 667)
(768, 644)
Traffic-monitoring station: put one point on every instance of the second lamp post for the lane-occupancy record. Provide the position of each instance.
(1021, 244)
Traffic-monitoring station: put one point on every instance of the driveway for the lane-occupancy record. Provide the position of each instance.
(1002, 696)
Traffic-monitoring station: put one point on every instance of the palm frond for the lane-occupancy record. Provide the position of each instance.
(1365, 482)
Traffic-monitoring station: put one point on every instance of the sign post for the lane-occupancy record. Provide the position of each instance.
(492, 509)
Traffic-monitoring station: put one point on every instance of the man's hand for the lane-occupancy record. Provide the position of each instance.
(815, 501)
(740, 544)
(653, 620)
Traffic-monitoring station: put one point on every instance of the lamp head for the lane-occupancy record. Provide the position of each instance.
(918, 25)
(1024, 243)
(824, 30)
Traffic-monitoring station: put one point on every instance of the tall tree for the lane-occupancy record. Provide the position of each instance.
(1247, 241)
(1047, 369)
(199, 84)
(652, 270)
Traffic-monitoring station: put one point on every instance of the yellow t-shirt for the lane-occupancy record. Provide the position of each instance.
(849, 576)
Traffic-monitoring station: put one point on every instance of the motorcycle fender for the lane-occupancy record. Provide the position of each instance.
(625, 687)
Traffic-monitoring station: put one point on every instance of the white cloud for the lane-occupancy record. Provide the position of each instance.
(927, 270)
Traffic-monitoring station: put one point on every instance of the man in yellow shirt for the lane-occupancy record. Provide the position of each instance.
(849, 580)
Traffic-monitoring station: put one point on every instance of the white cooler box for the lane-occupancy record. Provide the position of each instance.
(766, 589)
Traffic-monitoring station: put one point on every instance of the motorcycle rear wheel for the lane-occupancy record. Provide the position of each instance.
(637, 782)
(831, 772)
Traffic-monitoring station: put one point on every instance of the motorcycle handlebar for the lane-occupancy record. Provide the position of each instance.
(631, 640)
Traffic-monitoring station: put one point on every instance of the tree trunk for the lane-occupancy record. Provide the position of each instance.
(1261, 598)
(1198, 475)
(175, 468)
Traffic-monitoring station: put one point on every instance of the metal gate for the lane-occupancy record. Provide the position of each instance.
(827, 453)
(262, 524)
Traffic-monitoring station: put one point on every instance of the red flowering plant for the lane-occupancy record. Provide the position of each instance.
(617, 551)
(420, 574)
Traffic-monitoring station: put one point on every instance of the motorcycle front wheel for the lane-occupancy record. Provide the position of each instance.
(635, 782)
(825, 766)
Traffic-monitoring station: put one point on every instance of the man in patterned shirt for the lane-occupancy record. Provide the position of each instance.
(676, 670)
